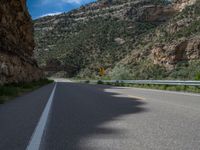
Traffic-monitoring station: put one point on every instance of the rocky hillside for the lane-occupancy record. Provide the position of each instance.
(129, 38)
(16, 43)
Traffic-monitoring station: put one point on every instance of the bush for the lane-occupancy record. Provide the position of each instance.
(186, 71)
(120, 73)
(12, 90)
(87, 81)
(2, 101)
(197, 77)
(8, 90)
(151, 71)
(99, 82)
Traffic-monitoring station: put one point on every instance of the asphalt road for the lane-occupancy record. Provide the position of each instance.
(98, 117)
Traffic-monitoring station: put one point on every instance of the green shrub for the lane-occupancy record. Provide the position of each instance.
(12, 90)
(8, 90)
(99, 82)
(87, 81)
(197, 77)
(2, 101)
(120, 73)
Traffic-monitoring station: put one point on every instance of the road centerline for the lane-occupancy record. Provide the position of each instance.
(35, 142)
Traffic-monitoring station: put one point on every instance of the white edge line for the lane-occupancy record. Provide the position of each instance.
(34, 143)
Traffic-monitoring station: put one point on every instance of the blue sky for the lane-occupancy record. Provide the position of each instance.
(38, 8)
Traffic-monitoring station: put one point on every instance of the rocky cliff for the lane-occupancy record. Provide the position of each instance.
(143, 38)
(16, 43)
(180, 5)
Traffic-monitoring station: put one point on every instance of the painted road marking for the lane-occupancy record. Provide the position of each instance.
(34, 143)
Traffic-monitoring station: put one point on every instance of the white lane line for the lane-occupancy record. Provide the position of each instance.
(34, 143)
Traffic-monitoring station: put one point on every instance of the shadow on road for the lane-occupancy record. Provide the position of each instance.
(80, 111)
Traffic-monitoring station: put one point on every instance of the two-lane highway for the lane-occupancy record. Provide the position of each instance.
(98, 117)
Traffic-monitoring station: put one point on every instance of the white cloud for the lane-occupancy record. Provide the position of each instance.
(62, 1)
(51, 14)
(72, 1)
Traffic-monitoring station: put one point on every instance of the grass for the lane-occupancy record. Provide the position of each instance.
(182, 88)
(10, 91)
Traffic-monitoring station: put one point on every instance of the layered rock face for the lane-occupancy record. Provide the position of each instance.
(156, 13)
(180, 5)
(184, 43)
(169, 55)
(16, 43)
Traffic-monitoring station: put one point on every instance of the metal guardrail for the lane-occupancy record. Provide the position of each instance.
(155, 82)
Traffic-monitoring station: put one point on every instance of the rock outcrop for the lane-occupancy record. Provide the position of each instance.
(16, 43)
(169, 55)
(153, 13)
(184, 43)
(180, 5)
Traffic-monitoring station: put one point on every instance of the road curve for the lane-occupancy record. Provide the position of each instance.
(98, 117)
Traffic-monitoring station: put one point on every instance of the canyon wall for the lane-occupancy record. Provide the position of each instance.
(16, 44)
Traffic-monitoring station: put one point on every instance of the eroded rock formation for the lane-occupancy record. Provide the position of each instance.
(180, 5)
(16, 43)
(184, 50)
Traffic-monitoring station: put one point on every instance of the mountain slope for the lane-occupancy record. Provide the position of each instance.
(173, 50)
(124, 37)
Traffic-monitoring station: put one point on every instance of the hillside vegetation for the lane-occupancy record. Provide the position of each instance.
(131, 39)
